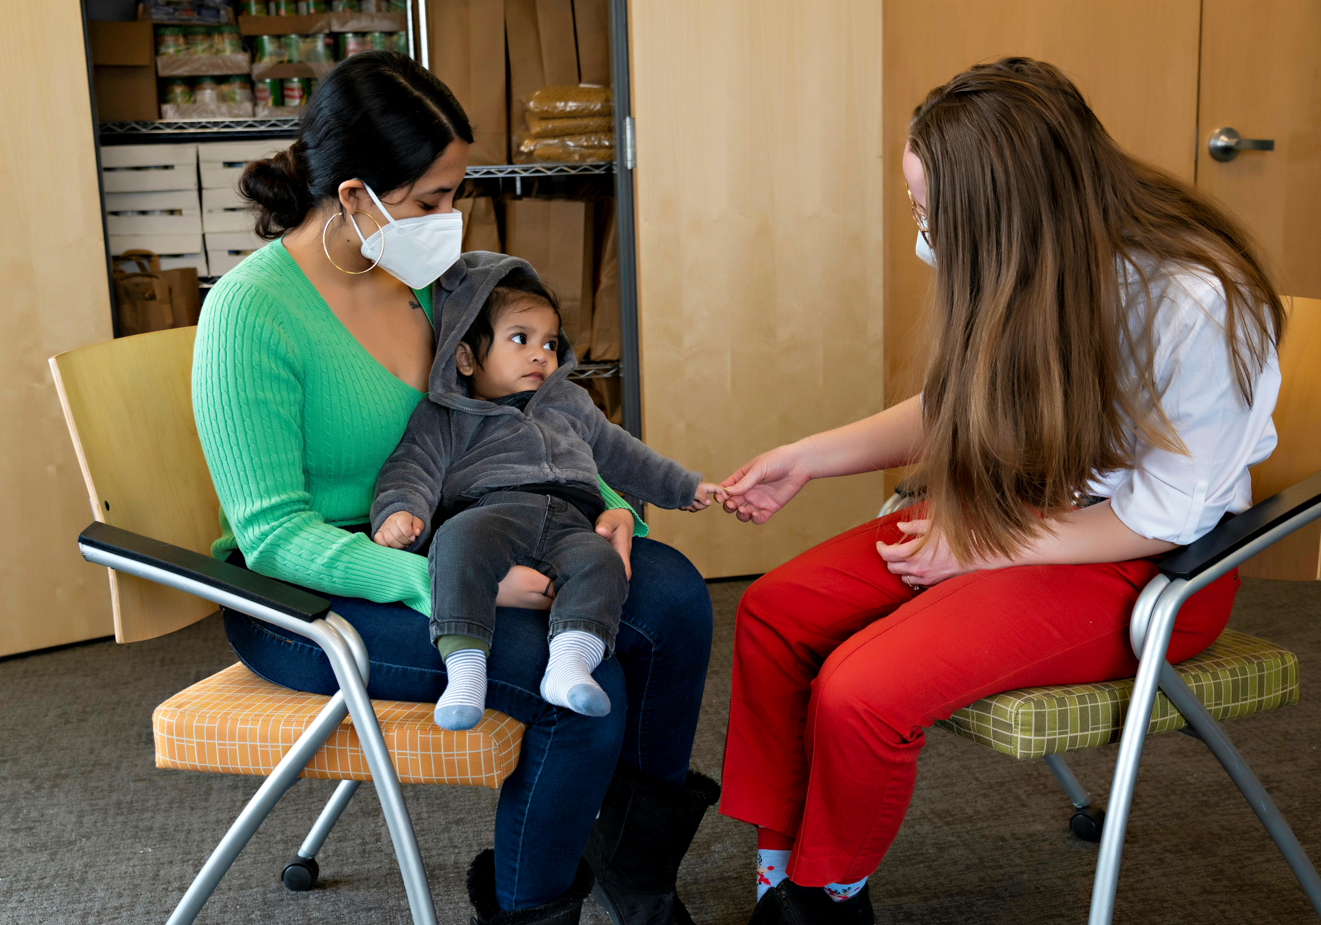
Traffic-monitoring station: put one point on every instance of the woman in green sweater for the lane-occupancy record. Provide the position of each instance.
(310, 358)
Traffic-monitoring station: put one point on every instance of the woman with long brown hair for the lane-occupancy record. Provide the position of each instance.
(1101, 375)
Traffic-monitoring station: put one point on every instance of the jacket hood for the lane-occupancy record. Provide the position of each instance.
(456, 299)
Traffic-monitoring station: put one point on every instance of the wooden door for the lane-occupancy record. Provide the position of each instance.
(1261, 75)
(55, 297)
(1135, 60)
(759, 182)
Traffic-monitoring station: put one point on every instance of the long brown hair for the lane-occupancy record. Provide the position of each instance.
(1038, 368)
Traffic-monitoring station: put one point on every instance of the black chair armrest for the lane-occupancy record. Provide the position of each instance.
(1237, 532)
(268, 592)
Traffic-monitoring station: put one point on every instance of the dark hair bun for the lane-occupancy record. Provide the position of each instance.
(279, 191)
(379, 117)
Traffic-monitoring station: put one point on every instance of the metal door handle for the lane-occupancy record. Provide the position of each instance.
(1225, 144)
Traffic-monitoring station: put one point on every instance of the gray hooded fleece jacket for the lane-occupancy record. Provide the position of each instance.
(457, 448)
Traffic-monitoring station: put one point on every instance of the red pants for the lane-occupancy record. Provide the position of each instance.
(839, 667)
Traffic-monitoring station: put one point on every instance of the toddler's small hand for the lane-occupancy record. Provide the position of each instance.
(705, 491)
(400, 530)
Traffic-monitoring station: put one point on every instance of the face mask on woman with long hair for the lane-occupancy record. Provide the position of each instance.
(924, 251)
(415, 251)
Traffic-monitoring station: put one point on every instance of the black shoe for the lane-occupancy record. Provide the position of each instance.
(563, 910)
(791, 904)
(643, 832)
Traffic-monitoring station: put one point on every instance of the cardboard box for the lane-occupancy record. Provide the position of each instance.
(180, 111)
(197, 262)
(147, 168)
(284, 71)
(189, 221)
(239, 241)
(591, 21)
(167, 245)
(468, 53)
(222, 163)
(555, 236)
(226, 211)
(229, 221)
(221, 262)
(123, 71)
(310, 24)
(202, 65)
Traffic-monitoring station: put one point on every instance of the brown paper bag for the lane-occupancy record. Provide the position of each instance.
(608, 395)
(591, 19)
(468, 54)
(142, 297)
(559, 47)
(555, 236)
(185, 296)
(480, 230)
(606, 336)
(527, 73)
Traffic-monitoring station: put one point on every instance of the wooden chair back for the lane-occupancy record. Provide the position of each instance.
(128, 404)
(1298, 422)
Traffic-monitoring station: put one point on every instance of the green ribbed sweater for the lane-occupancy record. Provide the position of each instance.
(296, 419)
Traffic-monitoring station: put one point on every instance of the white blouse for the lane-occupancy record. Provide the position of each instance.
(1169, 496)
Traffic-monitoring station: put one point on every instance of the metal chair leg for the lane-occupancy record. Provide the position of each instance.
(1075, 791)
(1209, 731)
(1089, 821)
(301, 871)
(259, 807)
(342, 647)
(1156, 640)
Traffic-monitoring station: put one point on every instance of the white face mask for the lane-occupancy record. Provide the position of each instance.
(924, 251)
(415, 251)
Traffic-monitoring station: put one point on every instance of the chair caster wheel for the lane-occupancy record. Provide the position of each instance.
(299, 874)
(1087, 823)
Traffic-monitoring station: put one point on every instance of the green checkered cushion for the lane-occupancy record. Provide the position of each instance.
(1237, 675)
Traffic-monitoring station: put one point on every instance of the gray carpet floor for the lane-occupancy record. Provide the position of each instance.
(91, 832)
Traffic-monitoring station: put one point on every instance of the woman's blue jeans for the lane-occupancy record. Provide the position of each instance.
(547, 806)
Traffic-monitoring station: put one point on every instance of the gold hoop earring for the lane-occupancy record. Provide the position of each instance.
(327, 249)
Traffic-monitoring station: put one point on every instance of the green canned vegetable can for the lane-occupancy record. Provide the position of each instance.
(291, 47)
(253, 7)
(235, 90)
(350, 43)
(377, 41)
(177, 91)
(229, 41)
(169, 42)
(398, 6)
(312, 48)
(199, 40)
(400, 42)
(295, 91)
(267, 92)
(343, 6)
(281, 8)
(269, 49)
(306, 7)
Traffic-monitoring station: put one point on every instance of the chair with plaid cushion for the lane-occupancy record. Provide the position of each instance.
(1236, 676)
(129, 409)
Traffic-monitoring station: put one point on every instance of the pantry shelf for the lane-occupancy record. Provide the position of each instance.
(595, 371)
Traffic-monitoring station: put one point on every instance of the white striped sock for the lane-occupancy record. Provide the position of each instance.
(464, 700)
(574, 655)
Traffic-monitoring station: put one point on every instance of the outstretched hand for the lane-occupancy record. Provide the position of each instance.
(702, 497)
(765, 484)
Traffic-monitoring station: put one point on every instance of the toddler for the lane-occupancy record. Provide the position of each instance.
(501, 462)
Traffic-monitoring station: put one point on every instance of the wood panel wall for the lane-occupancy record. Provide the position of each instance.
(55, 297)
(759, 197)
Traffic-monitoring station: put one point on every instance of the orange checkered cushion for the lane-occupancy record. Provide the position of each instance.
(236, 723)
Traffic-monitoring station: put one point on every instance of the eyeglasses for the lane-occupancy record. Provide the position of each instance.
(920, 217)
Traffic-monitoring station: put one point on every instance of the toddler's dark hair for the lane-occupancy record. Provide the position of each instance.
(516, 287)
